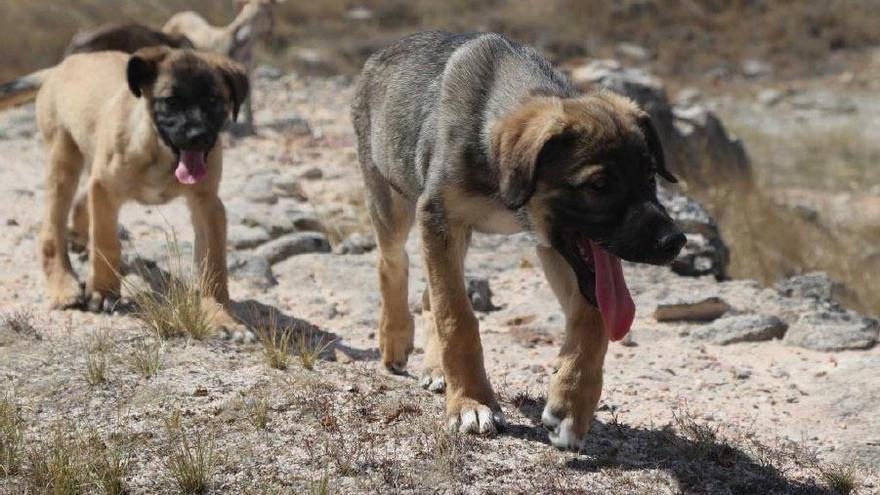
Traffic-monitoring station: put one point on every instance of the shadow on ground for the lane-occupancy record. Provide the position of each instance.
(698, 456)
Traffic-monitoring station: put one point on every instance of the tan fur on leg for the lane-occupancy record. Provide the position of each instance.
(470, 403)
(576, 387)
(64, 168)
(105, 250)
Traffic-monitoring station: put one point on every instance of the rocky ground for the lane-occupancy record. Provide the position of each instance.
(739, 389)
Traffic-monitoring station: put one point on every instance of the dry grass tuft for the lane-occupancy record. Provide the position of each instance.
(11, 436)
(174, 307)
(258, 412)
(702, 441)
(146, 356)
(309, 347)
(276, 341)
(841, 478)
(96, 367)
(320, 486)
(192, 463)
(109, 467)
(21, 322)
(58, 466)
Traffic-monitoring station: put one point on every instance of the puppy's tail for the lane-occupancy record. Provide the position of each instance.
(22, 90)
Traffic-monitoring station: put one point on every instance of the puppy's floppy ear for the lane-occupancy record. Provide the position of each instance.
(234, 76)
(517, 140)
(143, 68)
(652, 139)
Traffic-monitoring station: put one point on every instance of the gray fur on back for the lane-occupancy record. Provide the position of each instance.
(424, 107)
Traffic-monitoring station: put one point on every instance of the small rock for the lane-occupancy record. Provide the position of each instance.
(769, 97)
(246, 237)
(331, 311)
(288, 187)
(833, 330)
(304, 222)
(357, 243)
(268, 72)
(636, 53)
(697, 309)
(741, 328)
(291, 125)
(254, 269)
(312, 173)
(741, 373)
(341, 356)
(258, 189)
(293, 244)
(480, 294)
(11, 222)
(754, 68)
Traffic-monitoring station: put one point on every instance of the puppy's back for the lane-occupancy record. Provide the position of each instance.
(79, 93)
(430, 86)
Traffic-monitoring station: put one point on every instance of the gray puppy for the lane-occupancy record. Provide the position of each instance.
(474, 132)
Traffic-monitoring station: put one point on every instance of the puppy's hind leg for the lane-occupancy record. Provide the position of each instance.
(63, 171)
(79, 231)
(392, 217)
(576, 387)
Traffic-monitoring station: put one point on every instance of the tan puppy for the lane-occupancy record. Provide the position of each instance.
(145, 128)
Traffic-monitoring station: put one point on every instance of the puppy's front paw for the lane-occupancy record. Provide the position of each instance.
(433, 380)
(65, 293)
(469, 416)
(395, 352)
(565, 431)
(106, 303)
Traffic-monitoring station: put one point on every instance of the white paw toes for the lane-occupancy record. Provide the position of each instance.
(562, 431)
(480, 420)
(434, 383)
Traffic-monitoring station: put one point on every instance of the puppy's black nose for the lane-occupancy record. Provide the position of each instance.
(671, 242)
(198, 137)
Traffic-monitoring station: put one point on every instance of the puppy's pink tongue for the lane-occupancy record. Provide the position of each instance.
(191, 167)
(612, 294)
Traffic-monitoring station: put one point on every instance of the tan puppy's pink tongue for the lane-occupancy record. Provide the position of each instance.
(612, 294)
(191, 167)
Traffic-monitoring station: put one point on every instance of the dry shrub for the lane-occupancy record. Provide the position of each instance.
(177, 303)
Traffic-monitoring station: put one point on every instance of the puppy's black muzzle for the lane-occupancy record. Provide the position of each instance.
(189, 129)
(647, 235)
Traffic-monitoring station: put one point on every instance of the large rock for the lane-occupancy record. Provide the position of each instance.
(293, 244)
(741, 328)
(817, 286)
(696, 144)
(833, 330)
(705, 252)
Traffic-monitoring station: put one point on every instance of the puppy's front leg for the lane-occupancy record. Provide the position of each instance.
(102, 288)
(470, 403)
(577, 385)
(209, 254)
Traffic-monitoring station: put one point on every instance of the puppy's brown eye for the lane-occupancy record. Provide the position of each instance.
(599, 182)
